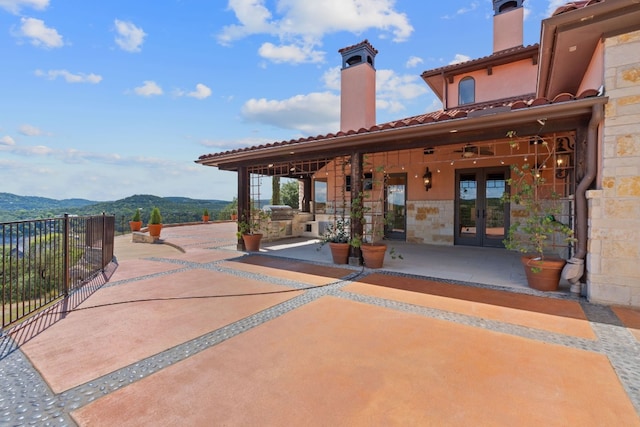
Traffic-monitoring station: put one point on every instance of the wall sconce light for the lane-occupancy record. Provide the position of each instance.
(563, 162)
(426, 178)
(562, 165)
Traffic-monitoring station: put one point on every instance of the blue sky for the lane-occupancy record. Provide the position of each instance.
(105, 99)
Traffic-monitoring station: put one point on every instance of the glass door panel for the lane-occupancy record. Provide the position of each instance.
(467, 205)
(395, 207)
(495, 185)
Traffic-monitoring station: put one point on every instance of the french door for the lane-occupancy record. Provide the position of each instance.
(396, 206)
(481, 217)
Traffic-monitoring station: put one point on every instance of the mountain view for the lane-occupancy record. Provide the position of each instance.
(173, 209)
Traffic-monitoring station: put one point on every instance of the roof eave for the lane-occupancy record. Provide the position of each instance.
(590, 15)
(360, 141)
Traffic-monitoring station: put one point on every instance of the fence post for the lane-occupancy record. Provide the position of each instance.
(65, 257)
(103, 240)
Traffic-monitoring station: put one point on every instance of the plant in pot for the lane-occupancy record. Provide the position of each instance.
(136, 221)
(155, 223)
(337, 232)
(249, 229)
(536, 226)
(337, 236)
(368, 209)
(205, 215)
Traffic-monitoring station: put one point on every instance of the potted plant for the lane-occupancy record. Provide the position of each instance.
(371, 205)
(155, 223)
(249, 230)
(337, 236)
(205, 215)
(136, 222)
(536, 225)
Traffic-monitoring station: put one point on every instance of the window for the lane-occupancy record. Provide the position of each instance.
(367, 182)
(467, 91)
(320, 195)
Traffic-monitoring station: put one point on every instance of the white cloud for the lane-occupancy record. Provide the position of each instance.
(301, 25)
(130, 37)
(393, 89)
(222, 145)
(315, 113)
(149, 88)
(459, 58)
(253, 17)
(435, 105)
(319, 113)
(70, 77)
(7, 140)
(74, 156)
(463, 10)
(290, 53)
(14, 6)
(413, 62)
(29, 130)
(201, 92)
(39, 33)
(331, 78)
(37, 150)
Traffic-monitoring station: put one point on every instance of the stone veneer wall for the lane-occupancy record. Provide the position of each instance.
(613, 262)
(430, 222)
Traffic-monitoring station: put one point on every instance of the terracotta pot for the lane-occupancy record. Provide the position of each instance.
(205, 218)
(234, 217)
(252, 241)
(339, 252)
(154, 229)
(135, 225)
(548, 276)
(373, 255)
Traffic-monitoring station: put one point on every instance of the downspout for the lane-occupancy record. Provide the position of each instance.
(574, 270)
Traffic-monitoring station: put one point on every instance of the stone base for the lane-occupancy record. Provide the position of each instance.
(139, 237)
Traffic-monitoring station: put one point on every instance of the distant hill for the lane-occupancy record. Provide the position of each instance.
(12, 202)
(173, 209)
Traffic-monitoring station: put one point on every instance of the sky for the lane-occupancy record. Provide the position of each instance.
(102, 100)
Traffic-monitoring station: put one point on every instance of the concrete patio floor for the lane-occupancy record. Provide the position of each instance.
(207, 335)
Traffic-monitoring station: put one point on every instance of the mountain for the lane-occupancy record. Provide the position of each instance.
(173, 209)
(12, 202)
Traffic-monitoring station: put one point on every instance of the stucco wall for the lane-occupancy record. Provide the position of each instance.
(506, 80)
(614, 246)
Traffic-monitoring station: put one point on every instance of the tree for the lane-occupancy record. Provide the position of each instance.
(275, 190)
(289, 194)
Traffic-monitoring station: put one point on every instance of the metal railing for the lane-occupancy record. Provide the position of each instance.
(44, 260)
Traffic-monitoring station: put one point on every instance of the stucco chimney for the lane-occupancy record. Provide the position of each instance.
(508, 21)
(358, 87)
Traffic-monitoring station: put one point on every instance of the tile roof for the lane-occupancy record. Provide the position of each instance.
(482, 60)
(365, 42)
(573, 6)
(507, 104)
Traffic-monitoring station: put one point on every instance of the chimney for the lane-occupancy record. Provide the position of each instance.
(358, 87)
(508, 22)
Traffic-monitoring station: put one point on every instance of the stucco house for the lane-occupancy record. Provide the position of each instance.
(578, 91)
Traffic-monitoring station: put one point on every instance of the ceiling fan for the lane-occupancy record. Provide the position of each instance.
(471, 150)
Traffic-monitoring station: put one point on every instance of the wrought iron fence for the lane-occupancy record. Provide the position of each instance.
(45, 260)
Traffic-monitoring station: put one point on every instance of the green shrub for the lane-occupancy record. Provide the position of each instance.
(155, 217)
